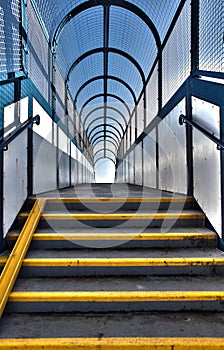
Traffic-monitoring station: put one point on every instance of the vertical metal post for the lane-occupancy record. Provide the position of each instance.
(53, 103)
(194, 66)
(142, 143)
(106, 40)
(194, 36)
(189, 146)
(160, 104)
(30, 151)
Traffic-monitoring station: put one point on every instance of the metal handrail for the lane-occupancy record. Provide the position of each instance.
(4, 144)
(183, 119)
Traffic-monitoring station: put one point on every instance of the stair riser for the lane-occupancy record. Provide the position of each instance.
(141, 223)
(103, 307)
(107, 207)
(66, 244)
(74, 271)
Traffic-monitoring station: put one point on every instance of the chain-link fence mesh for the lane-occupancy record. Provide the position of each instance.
(10, 36)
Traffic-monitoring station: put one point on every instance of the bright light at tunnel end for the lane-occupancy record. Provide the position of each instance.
(104, 171)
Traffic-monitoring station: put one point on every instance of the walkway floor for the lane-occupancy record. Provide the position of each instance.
(108, 190)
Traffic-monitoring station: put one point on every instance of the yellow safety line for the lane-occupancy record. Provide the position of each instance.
(15, 260)
(118, 236)
(113, 343)
(116, 296)
(138, 216)
(148, 262)
(122, 200)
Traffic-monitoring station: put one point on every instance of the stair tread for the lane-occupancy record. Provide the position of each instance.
(125, 253)
(178, 324)
(125, 230)
(118, 213)
(126, 283)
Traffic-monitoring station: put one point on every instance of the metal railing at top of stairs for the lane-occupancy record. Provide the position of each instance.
(4, 144)
(183, 119)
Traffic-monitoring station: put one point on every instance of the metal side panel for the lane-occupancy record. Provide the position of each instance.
(149, 156)
(172, 152)
(63, 169)
(44, 165)
(140, 117)
(207, 164)
(74, 165)
(131, 167)
(15, 179)
(138, 164)
(74, 171)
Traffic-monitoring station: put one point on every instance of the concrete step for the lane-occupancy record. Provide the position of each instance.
(105, 238)
(122, 219)
(113, 343)
(110, 205)
(111, 262)
(150, 326)
(127, 294)
(115, 301)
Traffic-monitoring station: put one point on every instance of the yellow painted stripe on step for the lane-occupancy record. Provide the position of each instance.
(119, 236)
(69, 262)
(116, 296)
(138, 216)
(113, 343)
(15, 260)
(121, 200)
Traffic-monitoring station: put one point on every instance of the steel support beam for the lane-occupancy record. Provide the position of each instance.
(93, 3)
(108, 117)
(105, 157)
(108, 141)
(100, 125)
(106, 50)
(102, 131)
(109, 77)
(98, 108)
(102, 139)
(101, 95)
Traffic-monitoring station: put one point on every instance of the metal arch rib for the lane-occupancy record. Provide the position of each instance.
(100, 125)
(109, 77)
(113, 160)
(93, 3)
(103, 50)
(108, 140)
(101, 95)
(98, 108)
(107, 131)
(108, 117)
(107, 136)
(106, 149)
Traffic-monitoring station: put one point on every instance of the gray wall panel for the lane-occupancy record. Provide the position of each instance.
(207, 167)
(172, 152)
(15, 179)
(63, 169)
(44, 162)
(138, 164)
(149, 154)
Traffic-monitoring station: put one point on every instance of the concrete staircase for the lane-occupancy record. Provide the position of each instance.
(107, 270)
